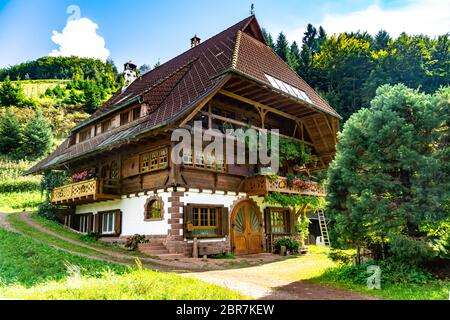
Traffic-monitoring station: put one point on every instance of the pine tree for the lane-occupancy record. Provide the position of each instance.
(92, 96)
(382, 184)
(37, 137)
(11, 94)
(268, 38)
(381, 40)
(294, 56)
(282, 47)
(10, 131)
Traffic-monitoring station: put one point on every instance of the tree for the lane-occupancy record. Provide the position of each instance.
(37, 137)
(382, 183)
(381, 40)
(10, 131)
(11, 94)
(294, 56)
(282, 47)
(144, 69)
(268, 38)
(92, 97)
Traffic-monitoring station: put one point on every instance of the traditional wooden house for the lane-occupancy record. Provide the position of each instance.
(124, 182)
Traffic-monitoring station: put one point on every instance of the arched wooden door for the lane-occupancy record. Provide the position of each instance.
(246, 229)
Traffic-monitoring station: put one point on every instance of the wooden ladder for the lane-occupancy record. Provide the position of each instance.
(323, 227)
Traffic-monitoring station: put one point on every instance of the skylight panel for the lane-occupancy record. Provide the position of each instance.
(287, 88)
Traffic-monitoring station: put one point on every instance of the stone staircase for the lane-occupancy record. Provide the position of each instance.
(156, 248)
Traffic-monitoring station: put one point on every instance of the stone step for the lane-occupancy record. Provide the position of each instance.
(169, 256)
(154, 252)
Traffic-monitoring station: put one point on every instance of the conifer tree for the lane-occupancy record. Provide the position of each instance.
(10, 130)
(282, 47)
(37, 137)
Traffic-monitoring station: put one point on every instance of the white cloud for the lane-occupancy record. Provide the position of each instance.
(431, 17)
(79, 38)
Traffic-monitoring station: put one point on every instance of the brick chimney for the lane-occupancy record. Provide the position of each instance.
(195, 41)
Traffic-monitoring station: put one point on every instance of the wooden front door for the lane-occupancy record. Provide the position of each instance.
(246, 229)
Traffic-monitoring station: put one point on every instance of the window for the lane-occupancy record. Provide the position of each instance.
(114, 171)
(153, 210)
(210, 162)
(287, 88)
(279, 221)
(108, 223)
(124, 118)
(136, 113)
(85, 135)
(106, 125)
(154, 160)
(205, 221)
(84, 223)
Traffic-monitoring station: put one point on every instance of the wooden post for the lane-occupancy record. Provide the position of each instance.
(195, 249)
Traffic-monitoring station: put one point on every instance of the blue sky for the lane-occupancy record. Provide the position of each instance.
(148, 31)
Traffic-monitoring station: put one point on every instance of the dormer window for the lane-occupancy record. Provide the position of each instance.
(106, 125)
(85, 135)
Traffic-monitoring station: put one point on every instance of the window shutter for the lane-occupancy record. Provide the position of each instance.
(76, 222)
(267, 223)
(118, 222)
(90, 223)
(292, 222)
(188, 219)
(225, 217)
(98, 223)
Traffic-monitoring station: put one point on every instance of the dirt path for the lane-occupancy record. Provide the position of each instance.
(276, 281)
(4, 223)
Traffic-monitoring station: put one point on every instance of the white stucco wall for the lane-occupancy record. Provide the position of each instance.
(133, 210)
(132, 214)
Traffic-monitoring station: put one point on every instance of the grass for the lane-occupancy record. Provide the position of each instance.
(18, 192)
(67, 233)
(329, 273)
(32, 270)
(20, 201)
(24, 228)
(135, 285)
(433, 290)
(27, 262)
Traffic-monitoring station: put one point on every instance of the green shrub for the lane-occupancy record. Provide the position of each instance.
(391, 273)
(291, 244)
(23, 184)
(47, 211)
(133, 241)
(91, 237)
(405, 250)
(227, 255)
(342, 256)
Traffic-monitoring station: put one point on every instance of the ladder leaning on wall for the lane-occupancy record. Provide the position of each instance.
(323, 227)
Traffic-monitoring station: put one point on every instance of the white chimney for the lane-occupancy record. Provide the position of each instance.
(195, 41)
(129, 74)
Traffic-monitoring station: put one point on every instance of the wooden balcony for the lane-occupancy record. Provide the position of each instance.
(262, 185)
(82, 192)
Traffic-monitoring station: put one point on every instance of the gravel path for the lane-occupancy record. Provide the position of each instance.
(4, 223)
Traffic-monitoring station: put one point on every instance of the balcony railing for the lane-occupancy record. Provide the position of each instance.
(262, 185)
(81, 192)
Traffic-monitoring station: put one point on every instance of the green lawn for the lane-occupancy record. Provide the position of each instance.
(30, 269)
(433, 290)
(24, 228)
(20, 201)
(67, 233)
(28, 262)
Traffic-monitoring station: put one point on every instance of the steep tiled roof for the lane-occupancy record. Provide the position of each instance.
(176, 86)
(255, 59)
